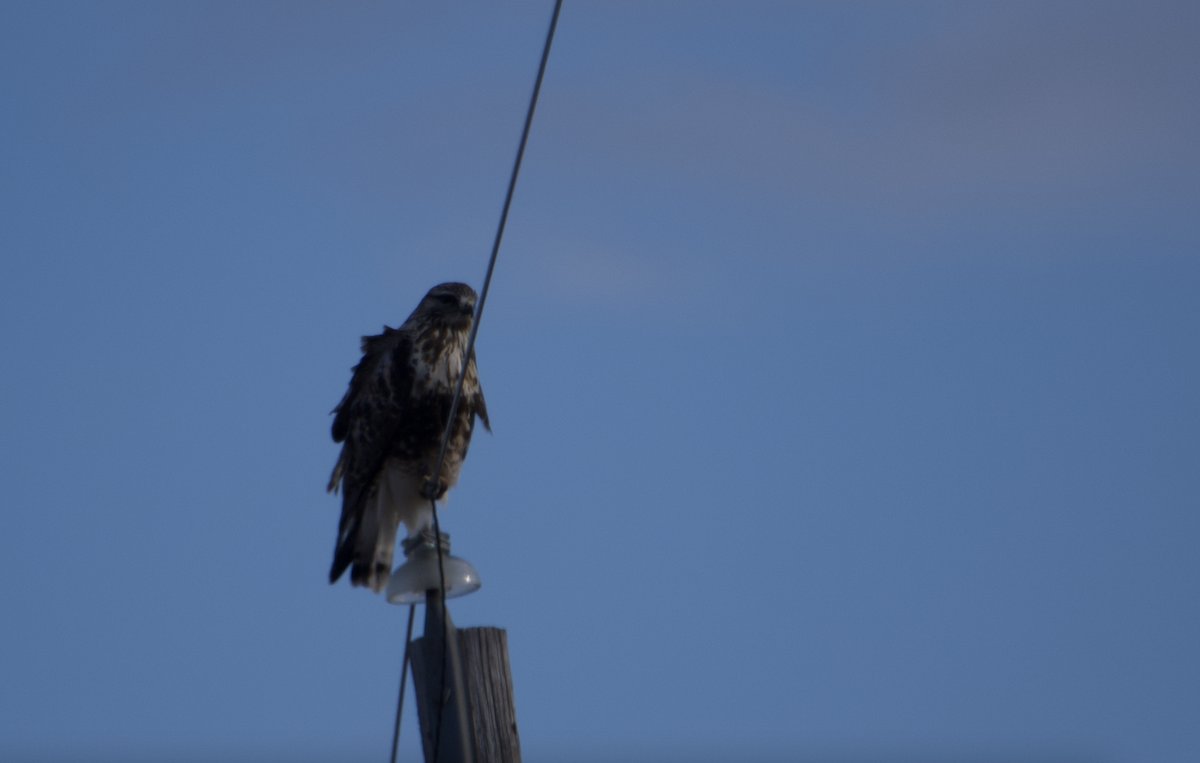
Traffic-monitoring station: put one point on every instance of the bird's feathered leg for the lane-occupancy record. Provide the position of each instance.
(412, 508)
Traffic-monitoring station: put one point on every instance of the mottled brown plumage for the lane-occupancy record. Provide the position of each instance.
(391, 422)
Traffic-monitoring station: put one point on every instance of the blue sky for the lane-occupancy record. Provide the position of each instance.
(841, 358)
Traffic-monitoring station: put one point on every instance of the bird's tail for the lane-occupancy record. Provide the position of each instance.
(367, 546)
(373, 558)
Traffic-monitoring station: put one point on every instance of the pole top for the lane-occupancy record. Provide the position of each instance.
(419, 573)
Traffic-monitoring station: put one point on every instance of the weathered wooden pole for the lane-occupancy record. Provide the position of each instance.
(483, 653)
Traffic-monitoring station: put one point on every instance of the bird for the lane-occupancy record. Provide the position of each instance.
(391, 422)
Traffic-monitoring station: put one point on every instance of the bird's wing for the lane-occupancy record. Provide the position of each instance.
(367, 422)
(477, 403)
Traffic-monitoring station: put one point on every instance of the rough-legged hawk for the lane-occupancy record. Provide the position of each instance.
(391, 422)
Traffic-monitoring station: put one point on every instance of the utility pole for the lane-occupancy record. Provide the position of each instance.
(483, 654)
(462, 678)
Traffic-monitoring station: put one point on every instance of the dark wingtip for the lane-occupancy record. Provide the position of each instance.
(335, 573)
(341, 561)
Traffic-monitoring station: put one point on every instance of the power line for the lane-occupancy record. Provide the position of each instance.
(487, 279)
(487, 283)
(412, 613)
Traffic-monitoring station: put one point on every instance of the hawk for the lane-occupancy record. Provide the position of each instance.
(391, 423)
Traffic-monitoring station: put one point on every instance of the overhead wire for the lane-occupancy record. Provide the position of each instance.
(412, 613)
(454, 404)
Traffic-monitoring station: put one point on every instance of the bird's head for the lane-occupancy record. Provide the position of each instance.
(449, 304)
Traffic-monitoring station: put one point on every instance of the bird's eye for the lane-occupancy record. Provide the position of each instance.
(448, 299)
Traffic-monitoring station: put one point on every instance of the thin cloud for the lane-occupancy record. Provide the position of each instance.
(1011, 114)
(577, 268)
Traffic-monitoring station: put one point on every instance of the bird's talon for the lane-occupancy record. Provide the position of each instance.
(432, 493)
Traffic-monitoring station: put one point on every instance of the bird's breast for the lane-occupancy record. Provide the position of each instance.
(437, 364)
